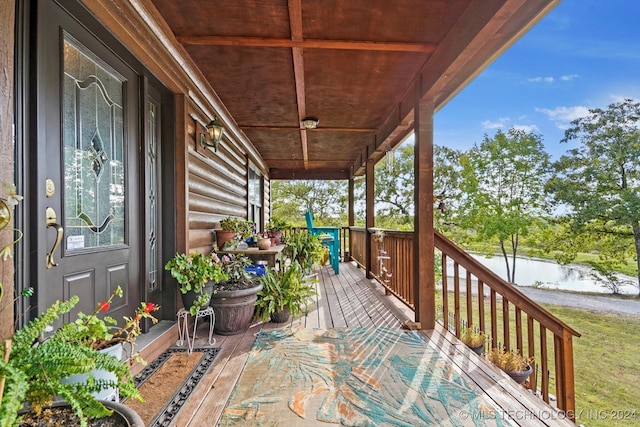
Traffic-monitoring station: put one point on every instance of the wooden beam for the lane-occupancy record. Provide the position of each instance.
(307, 43)
(322, 129)
(315, 174)
(295, 24)
(423, 242)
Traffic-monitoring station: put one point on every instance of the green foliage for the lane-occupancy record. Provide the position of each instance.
(287, 288)
(328, 201)
(193, 271)
(234, 266)
(304, 248)
(599, 181)
(35, 369)
(278, 224)
(242, 227)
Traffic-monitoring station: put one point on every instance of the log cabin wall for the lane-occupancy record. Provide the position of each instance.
(217, 183)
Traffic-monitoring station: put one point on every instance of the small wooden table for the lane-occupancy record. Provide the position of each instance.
(273, 255)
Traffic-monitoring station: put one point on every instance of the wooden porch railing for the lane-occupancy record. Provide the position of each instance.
(473, 295)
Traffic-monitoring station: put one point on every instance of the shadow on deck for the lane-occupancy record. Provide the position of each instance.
(349, 300)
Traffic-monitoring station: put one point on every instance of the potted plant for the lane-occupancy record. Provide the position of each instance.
(35, 370)
(196, 273)
(512, 362)
(234, 296)
(305, 248)
(232, 228)
(275, 228)
(285, 292)
(69, 363)
(473, 338)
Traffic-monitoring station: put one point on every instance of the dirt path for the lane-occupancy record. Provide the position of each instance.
(608, 304)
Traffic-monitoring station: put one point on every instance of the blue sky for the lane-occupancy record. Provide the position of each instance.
(584, 54)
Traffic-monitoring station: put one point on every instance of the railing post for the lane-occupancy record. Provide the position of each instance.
(370, 215)
(566, 373)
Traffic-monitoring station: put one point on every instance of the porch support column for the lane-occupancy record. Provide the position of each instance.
(351, 215)
(370, 221)
(423, 241)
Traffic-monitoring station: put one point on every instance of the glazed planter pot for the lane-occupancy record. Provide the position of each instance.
(477, 350)
(122, 416)
(234, 309)
(264, 244)
(521, 377)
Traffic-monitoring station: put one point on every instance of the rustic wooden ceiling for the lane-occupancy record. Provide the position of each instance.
(359, 66)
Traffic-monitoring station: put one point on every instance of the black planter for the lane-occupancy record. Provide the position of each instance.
(122, 415)
(280, 316)
(189, 298)
(234, 310)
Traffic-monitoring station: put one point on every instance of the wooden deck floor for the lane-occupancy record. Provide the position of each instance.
(349, 300)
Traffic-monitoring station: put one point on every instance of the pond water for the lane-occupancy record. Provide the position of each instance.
(548, 274)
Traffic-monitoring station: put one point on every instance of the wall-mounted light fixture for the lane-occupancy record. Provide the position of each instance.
(215, 129)
(310, 122)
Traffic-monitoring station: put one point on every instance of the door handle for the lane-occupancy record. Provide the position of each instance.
(51, 222)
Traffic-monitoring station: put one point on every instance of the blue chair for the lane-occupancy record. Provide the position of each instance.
(330, 237)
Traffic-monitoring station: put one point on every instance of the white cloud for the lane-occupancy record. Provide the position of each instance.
(562, 116)
(501, 123)
(527, 128)
(568, 77)
(541, 79)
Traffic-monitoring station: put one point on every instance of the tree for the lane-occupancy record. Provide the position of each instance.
(599, 181)
(328, 200)
(502, 190)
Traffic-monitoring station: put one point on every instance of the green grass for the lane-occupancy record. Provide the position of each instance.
(607, 362)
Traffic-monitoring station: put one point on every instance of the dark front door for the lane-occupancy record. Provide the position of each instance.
(88, 168)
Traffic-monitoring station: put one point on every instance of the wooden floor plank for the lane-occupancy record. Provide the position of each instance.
(351, 300)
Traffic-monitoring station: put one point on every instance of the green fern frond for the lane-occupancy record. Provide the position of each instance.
(16, 386)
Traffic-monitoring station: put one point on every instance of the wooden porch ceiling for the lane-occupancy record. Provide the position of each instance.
(359, 66)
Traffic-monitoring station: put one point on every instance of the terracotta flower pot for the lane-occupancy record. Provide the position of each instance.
(223, 236)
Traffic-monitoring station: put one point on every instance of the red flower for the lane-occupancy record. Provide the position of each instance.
(149, 307)
(104, 306)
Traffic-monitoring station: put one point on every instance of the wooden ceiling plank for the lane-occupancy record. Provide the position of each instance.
(332, 129)
(306, 43)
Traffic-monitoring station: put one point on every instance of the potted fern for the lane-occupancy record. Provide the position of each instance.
(285, 292)
(38, 371)
(197, 274)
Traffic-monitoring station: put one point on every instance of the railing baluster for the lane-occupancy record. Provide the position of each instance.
(456, 297)
(519, 330)
(445, 293)
(481, 323)
(506, 333)
(531, 343)
(494, 318)
(469, 300)
(544, 364)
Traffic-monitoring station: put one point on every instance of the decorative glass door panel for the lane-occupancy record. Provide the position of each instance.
(93, 151)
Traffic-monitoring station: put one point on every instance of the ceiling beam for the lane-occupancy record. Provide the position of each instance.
(333, 129)
(312, 174)
(306, 43)
(295, 22)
